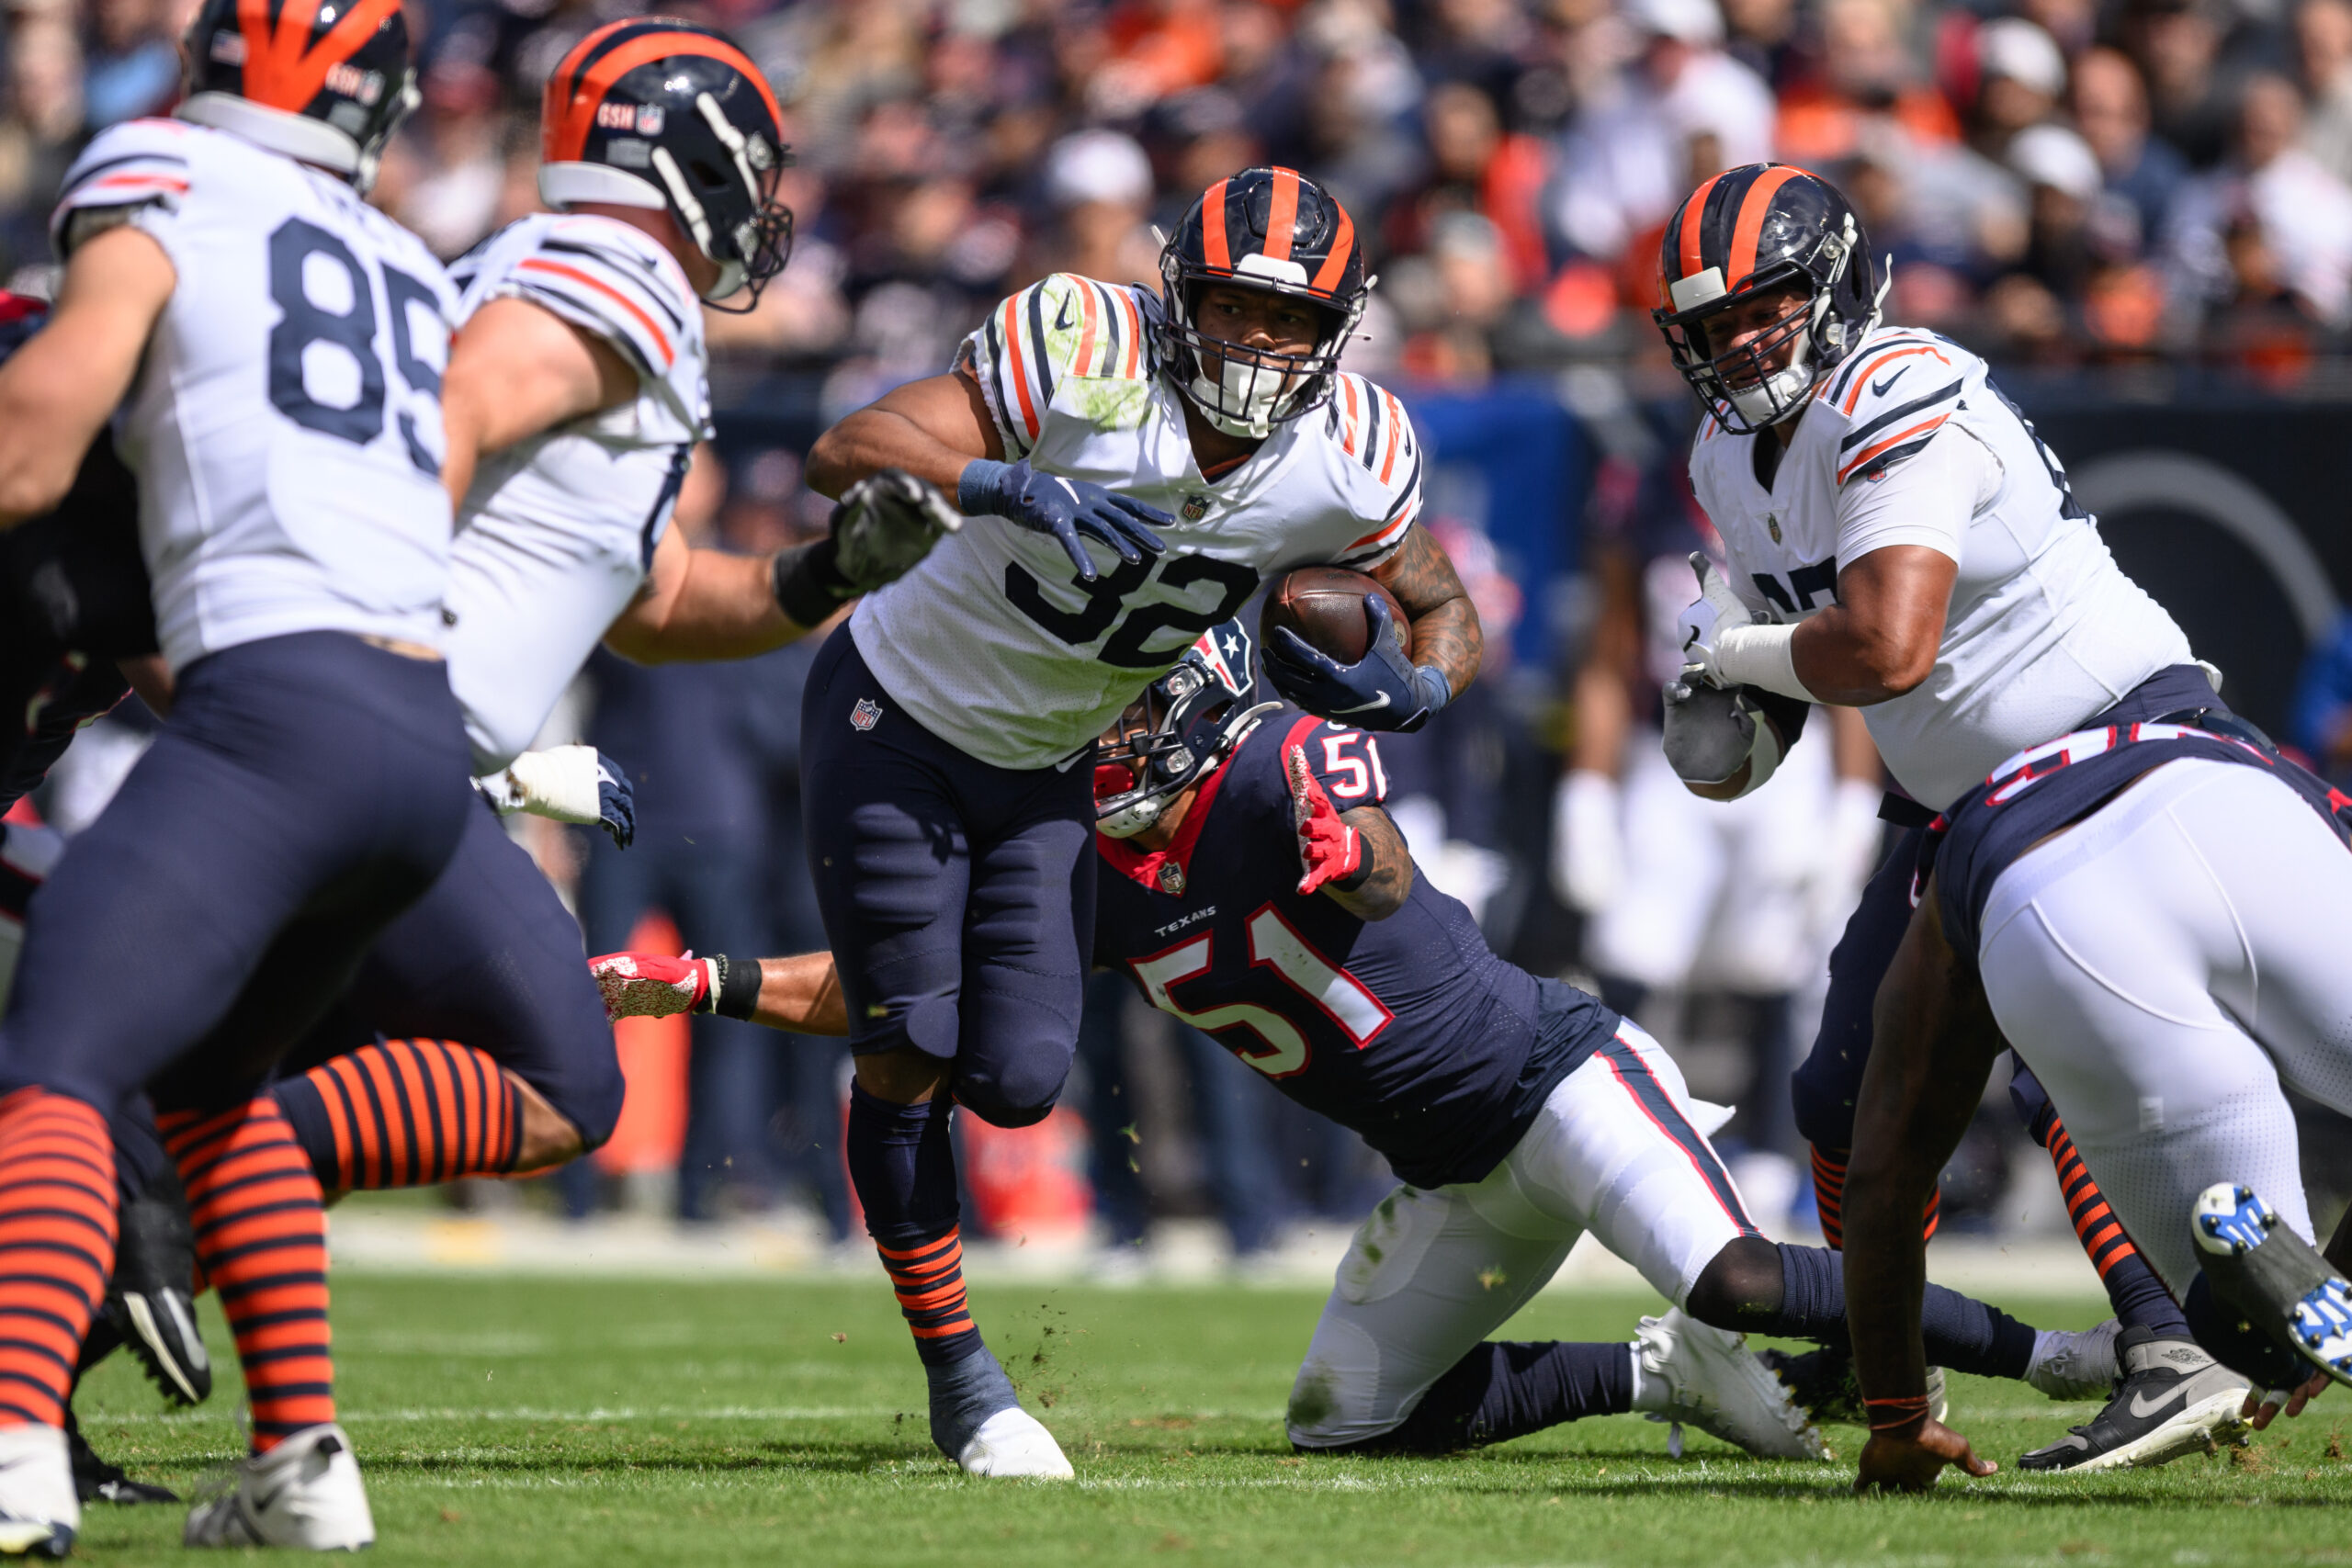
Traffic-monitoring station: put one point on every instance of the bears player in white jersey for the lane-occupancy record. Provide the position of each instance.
(2151, 914)
(274, 347)
(1901, 541)
(1131, 468)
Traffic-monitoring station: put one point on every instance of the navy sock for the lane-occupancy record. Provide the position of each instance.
(903, 1165)
(142, 1167)
(966, 1393)
(1505, 1388)
(1961, 1333)
(2140, 1300)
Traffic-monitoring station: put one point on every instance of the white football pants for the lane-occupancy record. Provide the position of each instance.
(2165, 966)
(1431, 1273)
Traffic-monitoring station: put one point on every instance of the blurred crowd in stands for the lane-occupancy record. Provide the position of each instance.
(2067, 185)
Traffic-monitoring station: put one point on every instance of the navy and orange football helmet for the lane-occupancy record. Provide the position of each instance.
(323, 81)
(652, 112)
(1750, 231)
(1272, 229)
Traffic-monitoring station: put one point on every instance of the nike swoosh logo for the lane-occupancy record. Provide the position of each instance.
(2142, 1407)
(1366, 708)
(1878, 389)
(1062, 322)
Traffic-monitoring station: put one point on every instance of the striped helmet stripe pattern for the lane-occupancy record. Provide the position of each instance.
(280, 72)
(1281, 215)
(1220, 252)
(1342, 248)
(1753, 205)
(611, 52)
(1723, 223)
(1694, 226)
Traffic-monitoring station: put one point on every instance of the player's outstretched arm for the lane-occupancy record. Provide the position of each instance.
(58, 391)
(800, 994)
(1933, 1041)
(930, 428)
(518, 369)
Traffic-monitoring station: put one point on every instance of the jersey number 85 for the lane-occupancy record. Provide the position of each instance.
(304, 263)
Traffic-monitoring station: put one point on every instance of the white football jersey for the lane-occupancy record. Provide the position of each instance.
(557, 532)
(2043, 630)
(286, 423)
(993, 644)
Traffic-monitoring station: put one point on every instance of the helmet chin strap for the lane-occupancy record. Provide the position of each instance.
(1780, 394)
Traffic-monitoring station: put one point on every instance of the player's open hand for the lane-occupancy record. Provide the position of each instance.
(1047, 503)
(1328, 850)
(2263, 1407)
(652, 985)
(1912, 1464)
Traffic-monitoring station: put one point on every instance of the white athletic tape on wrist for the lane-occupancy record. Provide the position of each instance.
(1762, 656)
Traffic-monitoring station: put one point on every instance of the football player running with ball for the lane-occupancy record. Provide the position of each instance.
(1901, 541)
(1131, 467)
(1254, 887)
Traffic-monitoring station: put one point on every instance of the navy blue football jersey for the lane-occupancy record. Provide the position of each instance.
(1408, 1029)
(2056, 784)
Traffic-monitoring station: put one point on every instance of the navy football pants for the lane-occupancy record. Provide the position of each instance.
(489, 957)
(958, 898)
(306, 789)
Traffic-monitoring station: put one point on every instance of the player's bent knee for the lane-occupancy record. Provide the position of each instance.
(903, 1076)
(1740, 1287)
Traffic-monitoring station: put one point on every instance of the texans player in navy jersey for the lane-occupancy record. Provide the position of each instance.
(1253, 886)
(2151, 914)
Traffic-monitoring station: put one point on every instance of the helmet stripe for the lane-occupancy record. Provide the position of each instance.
(1343, 246)
(1693, 229)
(1753, 209)
(279, 73)
(1213, 227)
(566, 133)
(1282, 217)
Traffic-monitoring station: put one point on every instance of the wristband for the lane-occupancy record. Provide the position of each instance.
(737, 992)
(1362, 872)
(1435, 690)
(1760, 656)
(978, 487)
(809, 582)
(1893, 1415)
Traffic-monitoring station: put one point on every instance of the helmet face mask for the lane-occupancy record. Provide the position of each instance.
(1272, 230)
(329, 94)
(1178, 732)
(1765, 230)
(663, 115)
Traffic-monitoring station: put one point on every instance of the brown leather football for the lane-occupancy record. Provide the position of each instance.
(1324, 605)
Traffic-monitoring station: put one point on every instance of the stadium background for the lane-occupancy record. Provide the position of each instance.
(2138, 209)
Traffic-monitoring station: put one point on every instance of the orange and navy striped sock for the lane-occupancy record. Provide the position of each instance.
(57, 1231)
(2133, 1288)
(404, 1113)
(903, 1164)
(1829, 1198)
(261, 1235)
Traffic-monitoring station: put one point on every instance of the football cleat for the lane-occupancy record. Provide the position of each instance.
(1013, 1442)
(2174, 1400)
(39, 1512)
(1714, 1385)
(1822, 1382)
(2076, 1365)
(95, 1481)
(2275, 1278)
(305, 1493)
(148, 1301)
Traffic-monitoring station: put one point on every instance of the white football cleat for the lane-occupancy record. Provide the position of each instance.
(1713, 1383)
(2070, 1364)
(304, 1492)
(38, 1509)
(1013, 1442)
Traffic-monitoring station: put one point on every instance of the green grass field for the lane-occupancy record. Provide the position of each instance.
(513, 1422)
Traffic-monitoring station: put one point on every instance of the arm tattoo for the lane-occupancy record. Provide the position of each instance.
(1381, 894)
(1445, 624)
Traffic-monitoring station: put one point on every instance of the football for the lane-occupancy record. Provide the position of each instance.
(1324, 605)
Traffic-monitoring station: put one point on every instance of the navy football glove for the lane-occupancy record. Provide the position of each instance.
(1381, 690)
(1047, 503)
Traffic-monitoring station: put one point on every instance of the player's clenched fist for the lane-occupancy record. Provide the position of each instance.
(1047, 503)
(1328, 850)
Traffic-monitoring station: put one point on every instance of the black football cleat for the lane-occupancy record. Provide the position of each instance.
(148, 1301)
(2173, 1399)
(2274, 1279)
(95, 1481)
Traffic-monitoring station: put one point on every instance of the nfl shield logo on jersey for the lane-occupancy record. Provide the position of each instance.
(1195, 507)
(1171, 878)
(865, 714)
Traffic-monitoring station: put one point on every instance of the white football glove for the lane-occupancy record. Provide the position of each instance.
(577, 785)
(1588, 841)
(1715, 609)
(1710, 732)
(887, 522)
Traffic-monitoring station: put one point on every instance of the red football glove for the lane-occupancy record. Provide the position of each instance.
(650, 984)
(1329, 849)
